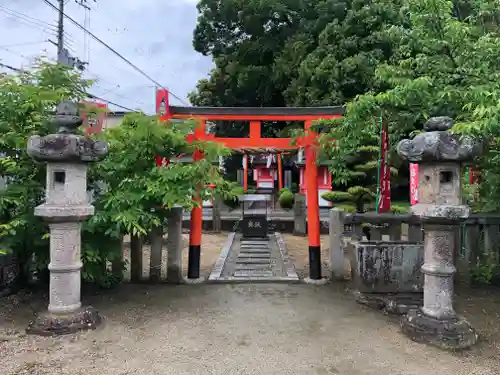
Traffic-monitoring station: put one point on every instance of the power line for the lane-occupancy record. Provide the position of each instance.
(23, 44)
(10, 67)
(90, 96)
(114, 51)
(25, 17)
(32, 22)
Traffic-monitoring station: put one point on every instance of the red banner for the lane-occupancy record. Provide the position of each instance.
(94, 121)
(162, 109)
(162, 105)
(474, 176)
(384, 198)
(413, 183)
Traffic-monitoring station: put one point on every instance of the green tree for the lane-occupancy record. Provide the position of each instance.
(348, 50)
(134, 193)
(131, 195)
(26, 102)
(362, 167)
(291, 52)
(446, 63)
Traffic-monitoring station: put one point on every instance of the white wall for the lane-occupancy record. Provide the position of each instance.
(112, 120)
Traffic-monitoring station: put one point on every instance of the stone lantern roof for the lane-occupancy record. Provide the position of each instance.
(436, 144)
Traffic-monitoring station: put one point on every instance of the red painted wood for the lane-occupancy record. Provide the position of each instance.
(256, 117)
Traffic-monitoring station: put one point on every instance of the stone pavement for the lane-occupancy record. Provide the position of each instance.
(254, 260)
(229, 329)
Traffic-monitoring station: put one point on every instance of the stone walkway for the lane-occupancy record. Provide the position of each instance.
(254, 260)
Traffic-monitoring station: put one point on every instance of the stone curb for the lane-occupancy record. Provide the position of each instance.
(217, 270)
(289, 267)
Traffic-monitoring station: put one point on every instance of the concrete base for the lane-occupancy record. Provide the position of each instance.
(200, 280)
(174, 275)
(449, 334)
(397, 304)
(321, 281)
(48, 324)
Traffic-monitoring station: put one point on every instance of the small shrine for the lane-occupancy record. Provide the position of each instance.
(264, 170)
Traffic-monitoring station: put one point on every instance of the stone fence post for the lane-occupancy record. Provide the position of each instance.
(174, 246)
(336, 231)
(299, 215)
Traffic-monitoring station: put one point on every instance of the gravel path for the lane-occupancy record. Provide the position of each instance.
(231, 329)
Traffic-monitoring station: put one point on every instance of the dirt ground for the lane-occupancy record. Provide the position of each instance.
(481, 306)
(250, 329)
(298, 251)
(241, 329)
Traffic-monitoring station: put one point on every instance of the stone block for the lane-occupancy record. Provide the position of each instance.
(253, 274)
(252, 261)
(388, 267)
(254, 256)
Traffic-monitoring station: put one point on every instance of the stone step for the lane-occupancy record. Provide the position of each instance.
(259, 247)
(258, 251)
(253, 267)
(263, 242)
(252, 261)
(254, 255)
(253, 274)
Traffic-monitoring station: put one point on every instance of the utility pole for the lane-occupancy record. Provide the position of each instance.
(63, 55)
(60, 34)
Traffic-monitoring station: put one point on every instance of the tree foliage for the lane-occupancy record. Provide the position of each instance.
(26, 102)
(130, 193)
(362, 168)
(136, 194)
(446, 63)
(291, 52)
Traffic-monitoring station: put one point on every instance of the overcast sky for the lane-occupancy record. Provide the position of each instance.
(155, 35)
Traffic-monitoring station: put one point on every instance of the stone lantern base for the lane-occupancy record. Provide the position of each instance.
(449, 334)
(49, 324)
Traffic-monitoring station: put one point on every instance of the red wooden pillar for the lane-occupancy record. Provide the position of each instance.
(280, 173)
(196, 224)
(313, 223)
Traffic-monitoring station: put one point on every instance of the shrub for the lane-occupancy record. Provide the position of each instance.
(350, 209)
(399, 209)
(335, 196)
(282, 190)
(286, 199)
(233, 202)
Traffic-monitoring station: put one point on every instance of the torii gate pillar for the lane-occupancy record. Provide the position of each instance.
(313, 222)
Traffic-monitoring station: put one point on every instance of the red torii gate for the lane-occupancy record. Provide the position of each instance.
(255, 115)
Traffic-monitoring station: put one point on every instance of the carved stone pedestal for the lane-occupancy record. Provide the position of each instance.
(49, 324)
(449, 334)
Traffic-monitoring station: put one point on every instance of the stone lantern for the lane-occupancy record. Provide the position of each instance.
(440, 155)
(66, 206)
